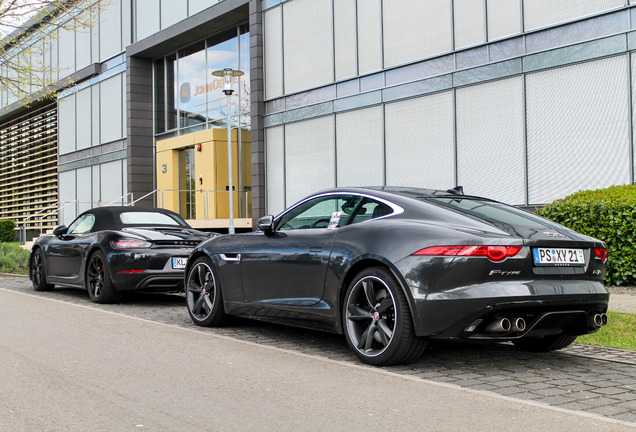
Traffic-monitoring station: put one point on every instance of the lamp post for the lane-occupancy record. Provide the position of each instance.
(228, 75)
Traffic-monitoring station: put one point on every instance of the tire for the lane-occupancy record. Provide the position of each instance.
(203, 294)
(377, 320)
(544, 344)
(38, 272)
(98, 282)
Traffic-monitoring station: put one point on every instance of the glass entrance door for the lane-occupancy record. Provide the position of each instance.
(187, 184)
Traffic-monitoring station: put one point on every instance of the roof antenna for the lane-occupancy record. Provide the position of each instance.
(458, 190)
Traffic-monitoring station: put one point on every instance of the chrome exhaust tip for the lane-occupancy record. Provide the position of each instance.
(598, 320)
(604, 319)
(499, 326)
(520, 325)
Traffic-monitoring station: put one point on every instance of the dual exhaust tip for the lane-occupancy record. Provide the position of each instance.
(600, 319)
(504, 325)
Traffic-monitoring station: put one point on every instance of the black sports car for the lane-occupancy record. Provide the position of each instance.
(108, 250)
(392, 267)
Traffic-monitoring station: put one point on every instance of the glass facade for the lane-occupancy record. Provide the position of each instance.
(189, 98)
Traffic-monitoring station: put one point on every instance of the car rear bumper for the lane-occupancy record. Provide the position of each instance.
(546, 307)
(147, 270)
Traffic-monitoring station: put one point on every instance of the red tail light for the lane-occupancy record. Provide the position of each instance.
(129, 271)
(130, 243)
(601, 253)
(493, 253)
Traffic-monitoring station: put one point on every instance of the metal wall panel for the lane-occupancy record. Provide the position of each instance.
(504, 18)
(542, 13)
(414, 30)
(490, 140)
(147, 18)
(66, 188)
(172, 12)
(420, 142)
(273, 52)
(308, 44)
(111, 108)
(111, 182)
(309, 157)
(578, 128)
(275, 169)
(470, 26)
(66, 60)
(110, 32)
(66, 125)
(345, 44)
(360, 150)
(369, 36)
(83, 118)
(84, 189)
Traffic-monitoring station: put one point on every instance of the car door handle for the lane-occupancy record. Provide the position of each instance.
(315, 249)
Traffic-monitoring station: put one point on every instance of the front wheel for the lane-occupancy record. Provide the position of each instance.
(203, 294)
(98, 282)
(377, 320)
(38, 272)
(543, 344)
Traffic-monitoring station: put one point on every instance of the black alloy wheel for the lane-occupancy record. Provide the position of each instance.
(544, 344)
(98, 283)
(203, 294)
(377, 320)
(38, 272)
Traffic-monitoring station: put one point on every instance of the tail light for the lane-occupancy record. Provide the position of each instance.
(130, 244)
(493, 253)
(601, 253)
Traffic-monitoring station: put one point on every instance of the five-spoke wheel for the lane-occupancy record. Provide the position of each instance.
(203, 294)
(38, 272)
(98, 283)
(377, 320)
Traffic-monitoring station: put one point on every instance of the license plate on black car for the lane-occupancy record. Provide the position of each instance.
(179, 263)
(558, 257)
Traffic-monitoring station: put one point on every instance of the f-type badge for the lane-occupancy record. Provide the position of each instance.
(504, 273)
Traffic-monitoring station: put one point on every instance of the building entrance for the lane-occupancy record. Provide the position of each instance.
(192, 178)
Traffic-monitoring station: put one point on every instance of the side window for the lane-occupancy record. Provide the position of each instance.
(330, 211)
(370, 209)
(82, 224)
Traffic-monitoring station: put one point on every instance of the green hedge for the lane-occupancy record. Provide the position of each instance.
(7, 233)
(608, 215)
(13, 259)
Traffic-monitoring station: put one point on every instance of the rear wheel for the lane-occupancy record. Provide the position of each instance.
(377, 320)
(203, 294)
(98, 283)
(38, 272)
(546, 343)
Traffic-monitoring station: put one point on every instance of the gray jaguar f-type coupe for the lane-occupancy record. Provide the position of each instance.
(393, 267)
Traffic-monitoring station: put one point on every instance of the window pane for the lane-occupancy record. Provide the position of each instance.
(192, 86)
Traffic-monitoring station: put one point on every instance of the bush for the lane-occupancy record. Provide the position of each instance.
(13, 259)
(608, 215)
(7, 230)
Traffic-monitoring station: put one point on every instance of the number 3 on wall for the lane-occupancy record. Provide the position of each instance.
(164, 168)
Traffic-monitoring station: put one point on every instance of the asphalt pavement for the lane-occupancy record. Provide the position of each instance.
(69, 367)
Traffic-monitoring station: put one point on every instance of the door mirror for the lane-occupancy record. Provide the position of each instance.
(266, 223)
(60, 231)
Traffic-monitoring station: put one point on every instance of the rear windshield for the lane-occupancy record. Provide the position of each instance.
(493, 212)
(150, 218)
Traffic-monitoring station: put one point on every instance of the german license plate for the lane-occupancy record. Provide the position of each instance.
(558, 257)
(179, 263)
